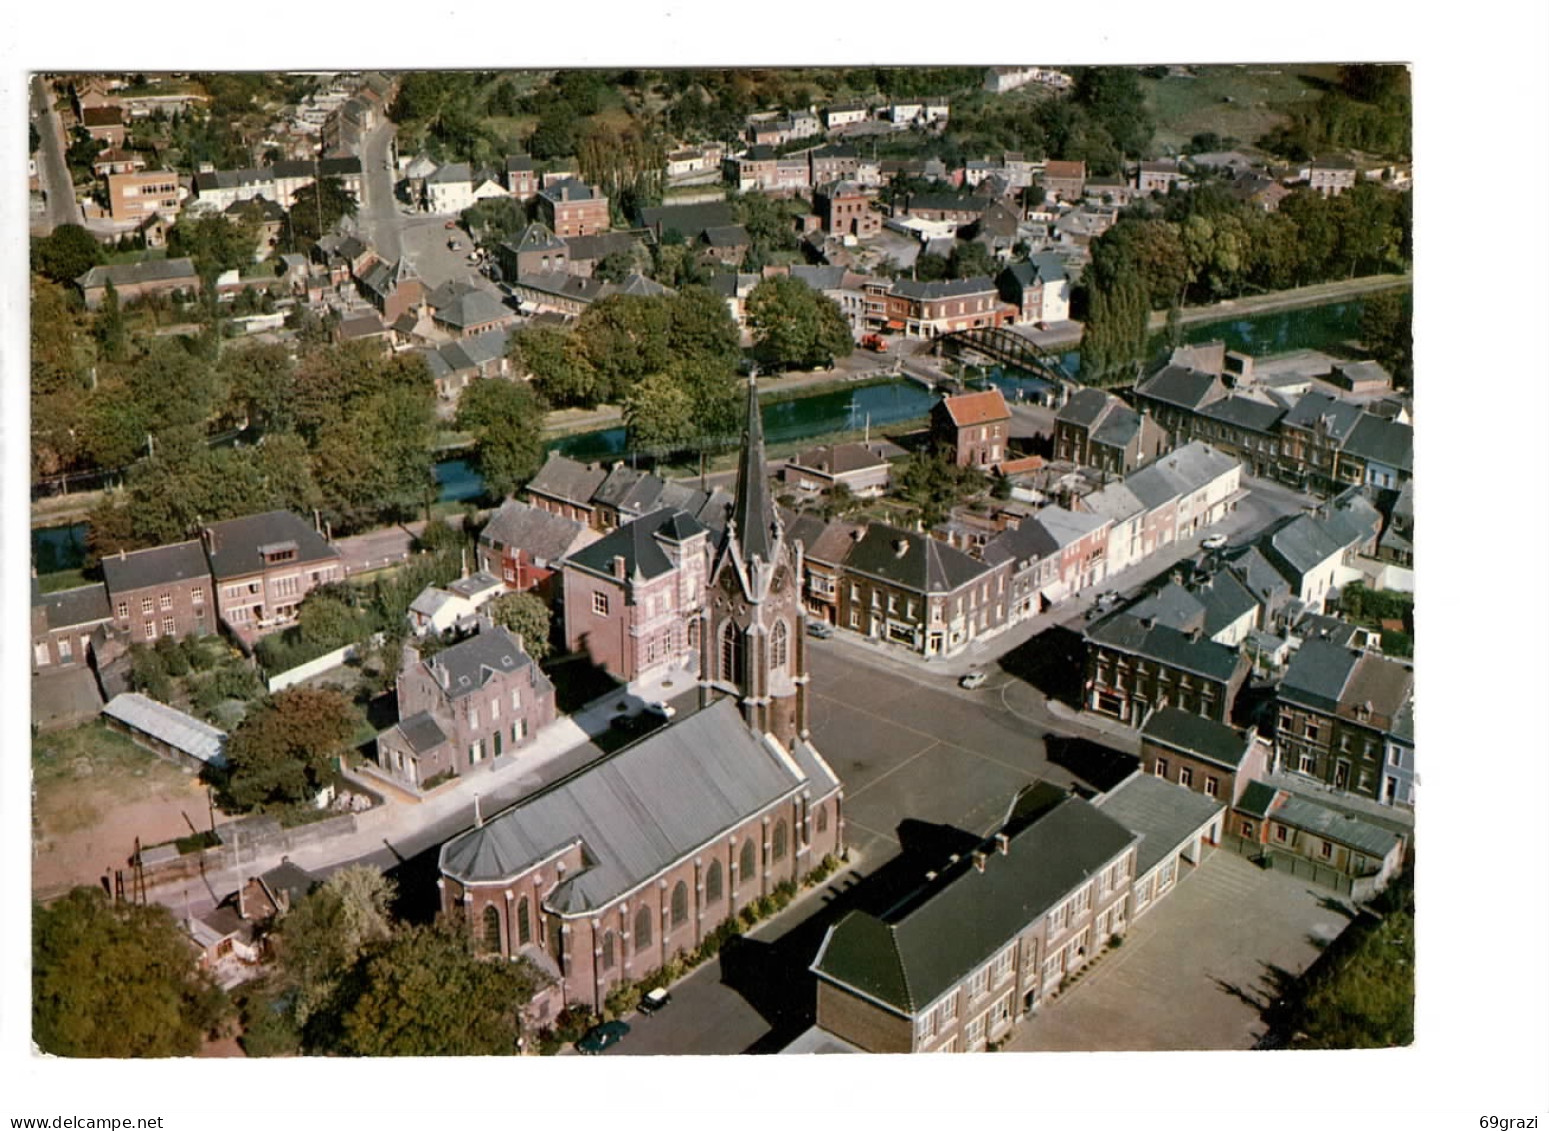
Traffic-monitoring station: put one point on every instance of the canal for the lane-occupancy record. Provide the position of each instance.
(844, 409)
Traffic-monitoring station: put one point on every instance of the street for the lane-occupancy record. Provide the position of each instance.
(52, 170)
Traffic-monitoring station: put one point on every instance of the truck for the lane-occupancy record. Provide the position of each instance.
(874, 342)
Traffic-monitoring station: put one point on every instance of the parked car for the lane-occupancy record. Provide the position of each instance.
(600, 1037)
(1214, 542)
(820, 629)
(657, 999)
(973, 680)
(661, 710)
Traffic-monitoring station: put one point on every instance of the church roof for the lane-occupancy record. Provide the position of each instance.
(752, 508)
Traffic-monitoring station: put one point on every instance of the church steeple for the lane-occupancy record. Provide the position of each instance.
(757, 529)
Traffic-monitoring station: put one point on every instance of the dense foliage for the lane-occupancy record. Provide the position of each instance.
(284, 751)
(796, 327)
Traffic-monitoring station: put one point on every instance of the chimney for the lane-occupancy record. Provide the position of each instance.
(121, 554)
(478, 813)
(1148, 623)
(1003, 844)
(241, 898)
(618, 566)
(980, 859)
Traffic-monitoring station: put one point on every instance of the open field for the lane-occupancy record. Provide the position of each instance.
(1259, 97)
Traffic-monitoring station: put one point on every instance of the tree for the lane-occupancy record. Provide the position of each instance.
(557, 362)
(108, 328)
(66, 253)
(315, 209)
(325, 621)
(1387, 330)
(795, 326)
(116, 980)
(934, 484)
(213, 242)
(969, 259)
(1113, 97)
(701, 328)
(260, 384)
(323, 936)
(506, 418)
(282, 753)
(659, 415)
(615, 267)
(425, 993)
(526, 615)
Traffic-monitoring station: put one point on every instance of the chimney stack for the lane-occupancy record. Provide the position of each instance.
(618, 566)
(980, 859)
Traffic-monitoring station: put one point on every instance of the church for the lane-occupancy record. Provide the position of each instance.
(605, 876)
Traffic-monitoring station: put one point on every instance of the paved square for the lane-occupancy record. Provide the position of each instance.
(1195, 969)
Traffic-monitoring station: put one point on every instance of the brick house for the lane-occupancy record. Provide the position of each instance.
(1339, 712)
(1039, 289)
(634, 598)
(63, 624)
(1352, 855)
(939, 206)
(986, 938)
(1208, 757)
(477, 700)
(608, 875)
(863, 469)
(974, 428)
(111, 161)
(1175, 393)
(1064, 180)
(521, 180)
(587, 252)
(908, 588)
(845, 209)
(524, 545)
(469, 315)
(573, 208)
(926, 310)
(137, 196)
(1137, 666)
(395, 289)
(262, 566)
(163, 591)
(1156, 176)
(1051, 556)
(565, 487)
(839, 162)
(136, 280)
(105, 124)
(1330, 176)
(825, 546)
(535, 251)
(1096, 429)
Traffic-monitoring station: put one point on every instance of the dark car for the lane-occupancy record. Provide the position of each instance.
(657, 999)
(820, 629)
(600, 1037)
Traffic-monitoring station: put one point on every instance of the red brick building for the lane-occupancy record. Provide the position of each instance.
(262, 566)
(524, 545)
(163, 591)
(974, 428)
(925, 310)
(573, 208)
(845, 209)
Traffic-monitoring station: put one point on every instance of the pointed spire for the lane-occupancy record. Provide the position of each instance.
(753, 510)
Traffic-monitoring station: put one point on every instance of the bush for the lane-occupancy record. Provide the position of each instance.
(573, 1022)
(148, 673)
(172, 657)
(625, 998)
(200, 658)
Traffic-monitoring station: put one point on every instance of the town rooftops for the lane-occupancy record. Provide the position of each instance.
(1172, 605)
(160, 565)
(1086, 407)
(1303, 544)
(912, 560)
(1382, 441)
(946, 202)
(169, 725)
(537, 237)
(1336, 417)
(149, 271)
(465, 667)
(235, 547)
(1161, 813)
(909, 956)
(1308, 815)
(567, 480)
(638, 544)
(1317, 675)
(1245, 412)
(473, 309)
(687, 219)
(1182, 386)
(66, 608)
(973, 409)
(837, 459)
(568, 190)
(1064, 169)
(1168, 646)
(636, 811)
(1188, 733)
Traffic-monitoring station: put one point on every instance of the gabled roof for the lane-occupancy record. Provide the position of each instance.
(67, 608)
(912, 560)
(166, 724)
(1333, 824)
(238, 542)
(1338, 417)
(160, 565)
(944, 288)
(545, 537)
(1302, 544)
(1065, 527)
(1382, 441)
(457, 172)
(490, 654)
(1085, 406)
(687, 219)
(565, 479)
(1245, 412)
(421, 732)
(1181, 386)
(538, 237)
(1161, 813)
(473, 309)
(149, 271)
(1188, 733)
(1172, 605)
(637, 543)
(634, 812)
(726, 235)
(1317, 675)
(827, 543)
(1225, 600)
(1164, 645)
(598, 246)
(1027, 541)
(973, 409)
(915, 952)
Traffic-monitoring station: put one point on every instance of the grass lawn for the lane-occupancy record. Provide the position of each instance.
(62, 579)
(1260, 95)
(66, 761)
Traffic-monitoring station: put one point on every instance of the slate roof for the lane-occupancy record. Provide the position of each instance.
(160, 565)
(726, 235)
(1382, 441)
(570, 189)
(448, 292)
(688, 219)
(563, 478)
(836, 459)
(820, 278)
(1303, 544)
(1245, 412)
(237, 542)
(1161, 813)
(129, 274)
(945, 288)
(563, 284)
(519, 163)
(471, 664)
(598, 246)
(1115, 502)
(538, 237)
(1118, 427)
(827, 543)
(473, 309)
(976, 408)
(167, 724)
(1181, 386)
(1339, 417)
(1085, 407)
(546, 537)
(947, 202)
(753, 516)
(1172, 605)
(1028, 541)
(1317, 675)
(926, 564)
(1256, 799)
(636, 542)
(634, 812)
(456, 172)
(914, 953)
(1164, 645)
(1190, 734)
(1266, 583)
(66, 608)
(421, 732)
(1225, 598)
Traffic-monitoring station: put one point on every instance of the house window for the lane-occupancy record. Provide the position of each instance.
(198, 595)
(979, 983)
(679, 904)
(123, 610)
(779, 645)
(1185, 775)
(1326, 851)
(975, 1034)
(1307, 764)
(516, 700)
(1247, 828)
(168, 626)
(166, 601)
(150, 630)
(642, 929)
(1280, 833)
(40, 655)
(777, 849)
(523, 925)
(1161, 767)
(64, 649)
(713, 882)
(731, 654)
(747, 865)
(494, 710)
(146, 605)
(822, 821)
(600, 604)
(1005, 965)
(1210, 787)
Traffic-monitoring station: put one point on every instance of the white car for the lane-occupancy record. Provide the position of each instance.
(973, 681)
(1214, 542)
(661, 710)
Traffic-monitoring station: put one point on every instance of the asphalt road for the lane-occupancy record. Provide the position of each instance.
(379, 215)
(52, 170)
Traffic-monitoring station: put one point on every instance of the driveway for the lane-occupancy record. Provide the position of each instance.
(1195, 971)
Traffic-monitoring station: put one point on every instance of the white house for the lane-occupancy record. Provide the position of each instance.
(436, 610)
(449, 188)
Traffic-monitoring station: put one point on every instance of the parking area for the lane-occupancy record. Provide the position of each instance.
(1195, 971)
